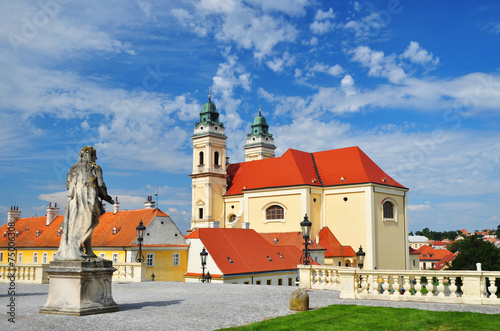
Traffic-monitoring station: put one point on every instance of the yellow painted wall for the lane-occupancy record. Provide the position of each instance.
(164, 269)
(346, 219)
(315, 214)
(232, 211)
(293, 216)
(390, 236)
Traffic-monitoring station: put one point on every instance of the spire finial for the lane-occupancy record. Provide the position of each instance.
(208, 95)
(259, 111)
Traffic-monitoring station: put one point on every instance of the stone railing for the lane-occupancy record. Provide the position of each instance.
(129, 272)
(470, 287)
(24, 273)
(37, 273)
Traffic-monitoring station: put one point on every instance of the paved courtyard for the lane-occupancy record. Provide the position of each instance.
(183, 306)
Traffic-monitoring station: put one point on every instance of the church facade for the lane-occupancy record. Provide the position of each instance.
(341, 189)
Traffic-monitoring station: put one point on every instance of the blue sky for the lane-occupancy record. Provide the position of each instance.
(414, 84)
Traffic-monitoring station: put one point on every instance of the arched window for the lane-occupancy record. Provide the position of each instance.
(202, 162)
(232, 218)
(275, 212)
(388, 210)
(216, 158)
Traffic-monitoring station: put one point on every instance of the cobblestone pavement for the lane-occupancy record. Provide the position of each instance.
(184, 306)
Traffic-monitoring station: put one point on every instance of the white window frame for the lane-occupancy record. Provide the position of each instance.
(176, 259)
(1, 256)
(150, 259)
(102, 255)
(20, 257)
(35, 257)
(394, 210)
(45, 257)
(53, 256)
(114, 257)
(270, 204)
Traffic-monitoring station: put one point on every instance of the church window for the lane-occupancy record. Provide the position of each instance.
(389, 210)
(275, 213)
(216, 158)
(201, 158)
(232, 218)
(200, 213)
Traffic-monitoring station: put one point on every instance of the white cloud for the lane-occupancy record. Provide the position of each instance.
(290, 7)
(322, 27)
(347, 85)
(418, 55)
(323, 15)
(277, 64)
(379, 64)
(235, 22)
(420, 207)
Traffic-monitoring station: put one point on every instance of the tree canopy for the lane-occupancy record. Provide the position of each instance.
(473, 250)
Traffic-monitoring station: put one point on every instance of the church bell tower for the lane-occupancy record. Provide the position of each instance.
(259, 143)
(209, 174)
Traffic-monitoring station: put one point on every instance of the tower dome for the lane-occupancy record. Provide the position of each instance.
(259, 143)
(209, 115)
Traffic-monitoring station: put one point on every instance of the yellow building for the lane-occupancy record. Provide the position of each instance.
(36, 239)
(341, 189)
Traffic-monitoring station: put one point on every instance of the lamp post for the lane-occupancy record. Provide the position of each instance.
(203, 256)
(306, 232)
(140, 237)
(361, 257)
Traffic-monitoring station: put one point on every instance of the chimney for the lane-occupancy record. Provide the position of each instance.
(52, 213)
(150, 204)
(13, 214)
(116, 206)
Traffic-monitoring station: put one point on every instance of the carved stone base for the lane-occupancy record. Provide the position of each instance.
(80, 288)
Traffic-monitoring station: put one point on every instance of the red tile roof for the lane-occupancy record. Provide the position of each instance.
(413, 251)
(247, 250)
(446, 259)
(290, 239)
(432, 254)
(294, 168)
(125, 221)
(333, 247)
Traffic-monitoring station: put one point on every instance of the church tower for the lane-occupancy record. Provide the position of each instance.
(209, 174)
(260, 143)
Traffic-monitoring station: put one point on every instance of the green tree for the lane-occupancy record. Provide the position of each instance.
(473, 250)
(498, 231)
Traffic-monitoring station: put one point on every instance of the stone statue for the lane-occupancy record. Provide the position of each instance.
(86, 188)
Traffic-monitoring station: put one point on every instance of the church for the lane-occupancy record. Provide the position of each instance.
(340, 190)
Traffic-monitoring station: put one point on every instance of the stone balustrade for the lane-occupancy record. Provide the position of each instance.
(470, 287)
(129, 272)
(24, 273)
(36, 273)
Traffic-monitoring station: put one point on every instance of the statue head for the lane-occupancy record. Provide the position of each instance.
(88, 155)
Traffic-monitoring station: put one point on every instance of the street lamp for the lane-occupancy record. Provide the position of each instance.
(361, 257)
(306, 232)
(140, 237)
(203, 256)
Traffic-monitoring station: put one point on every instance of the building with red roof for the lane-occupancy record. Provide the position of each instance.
(430, 257)
(340, 189)
(241, 256)
(115, 238)
(316, 251)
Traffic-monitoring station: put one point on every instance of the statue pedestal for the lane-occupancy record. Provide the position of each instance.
(80, 288)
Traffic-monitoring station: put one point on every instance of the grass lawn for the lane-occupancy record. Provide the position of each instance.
(350, 317)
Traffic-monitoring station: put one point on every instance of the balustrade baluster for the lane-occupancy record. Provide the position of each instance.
(453, 287)
(492, 289)
(440, 286)
(418, 286)
(407, 285)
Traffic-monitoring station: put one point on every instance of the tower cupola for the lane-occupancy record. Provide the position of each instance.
(259, 143)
